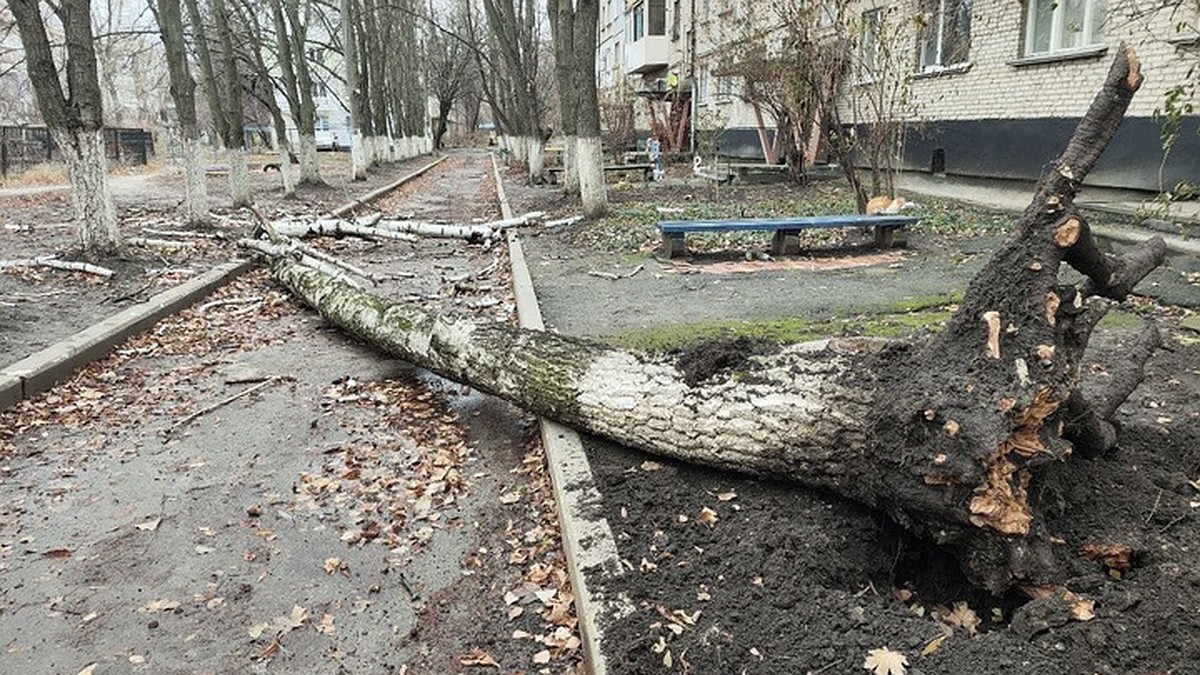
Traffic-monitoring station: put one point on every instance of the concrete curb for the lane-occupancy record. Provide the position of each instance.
(42, 370)
(588, 541)
(1174, 242)
(379, 192)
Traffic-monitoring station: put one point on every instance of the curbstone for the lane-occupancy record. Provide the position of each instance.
(379, 192)
(588, 542)
(42, 370)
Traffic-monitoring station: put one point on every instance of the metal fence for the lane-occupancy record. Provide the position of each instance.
(25, 147)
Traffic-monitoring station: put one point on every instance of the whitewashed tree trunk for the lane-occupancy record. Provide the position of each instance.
(239, 177)
(570, 165)
(800, 408)
(310, 161)
(358, 156)
(87, 169)
(536, 157)
(519, 148)
(593, 192)
(195, 183)
(287, 173)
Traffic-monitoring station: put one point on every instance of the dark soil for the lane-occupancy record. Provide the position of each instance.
(700, 362)
(787, 580)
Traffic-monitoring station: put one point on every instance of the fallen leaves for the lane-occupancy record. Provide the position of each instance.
(884, 661)
(707, 517)
(961, 617)
(478, 658)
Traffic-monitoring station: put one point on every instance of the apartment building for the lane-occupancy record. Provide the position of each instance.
(992, 88)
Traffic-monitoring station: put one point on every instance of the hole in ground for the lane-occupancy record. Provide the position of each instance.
(934, 577)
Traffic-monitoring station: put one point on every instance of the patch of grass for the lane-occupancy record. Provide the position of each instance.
(784, 331)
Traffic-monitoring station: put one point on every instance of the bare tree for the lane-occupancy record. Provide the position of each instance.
(183, 94)
(509, 67)
(575, 36)
(75, 115)
(223, 92)
(297, 84)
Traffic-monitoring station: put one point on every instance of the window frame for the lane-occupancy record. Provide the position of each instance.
(939, 61)
(637, 27)
(1089, 42)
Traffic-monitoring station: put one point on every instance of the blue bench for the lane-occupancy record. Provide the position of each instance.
(787, 230)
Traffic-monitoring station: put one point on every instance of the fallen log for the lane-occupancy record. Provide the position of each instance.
(950, 438)
(54, 263)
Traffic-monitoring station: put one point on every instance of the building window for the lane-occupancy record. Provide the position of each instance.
(321, 123)
(702, 85)
(639, 21)
(868, 47)
(1063, 25)
(656, 17)
(945, 34)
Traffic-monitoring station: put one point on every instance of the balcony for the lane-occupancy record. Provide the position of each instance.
(648, 54)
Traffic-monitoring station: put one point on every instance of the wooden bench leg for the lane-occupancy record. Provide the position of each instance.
(785, 243)
(673, 245)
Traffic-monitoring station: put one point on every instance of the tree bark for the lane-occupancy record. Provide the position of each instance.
(75, 116)
(183, 94)
(589, 153)
(950, 438)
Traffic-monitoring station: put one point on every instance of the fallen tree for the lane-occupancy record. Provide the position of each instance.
(950, 437)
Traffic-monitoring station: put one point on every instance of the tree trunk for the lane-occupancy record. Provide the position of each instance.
(535, 158)
(570, 159)
(195, 181)
(74, 117)
(951, 439)
(87, 169)
(183, 94)
(589, 152)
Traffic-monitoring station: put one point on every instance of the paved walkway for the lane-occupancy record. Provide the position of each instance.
(1013, 195)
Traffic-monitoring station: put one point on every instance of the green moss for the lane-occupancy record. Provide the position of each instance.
(887, 324)
(1120, 319)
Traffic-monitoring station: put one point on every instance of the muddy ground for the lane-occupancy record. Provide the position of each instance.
(792, 581)
(344, 514)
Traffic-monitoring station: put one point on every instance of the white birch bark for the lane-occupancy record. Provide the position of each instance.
(795, 419)
(358, 156)
(592, 190)
(87, 169)
(535, 157)
(570, 165)
(239, 177)
(195, 183)
(310, 161)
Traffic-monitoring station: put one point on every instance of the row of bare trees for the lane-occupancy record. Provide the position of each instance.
(388, 58)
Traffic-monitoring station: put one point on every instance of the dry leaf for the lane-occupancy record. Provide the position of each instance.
(510, 497)
(325, 625)
(149, 525)
(934, 644)
(158, 606)
(478, 657)
(962, 616)
(90, 669)
(650, 465)
(707, 516)
(542, 657)
(727, 496)
(884, 661)
(332, 565)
